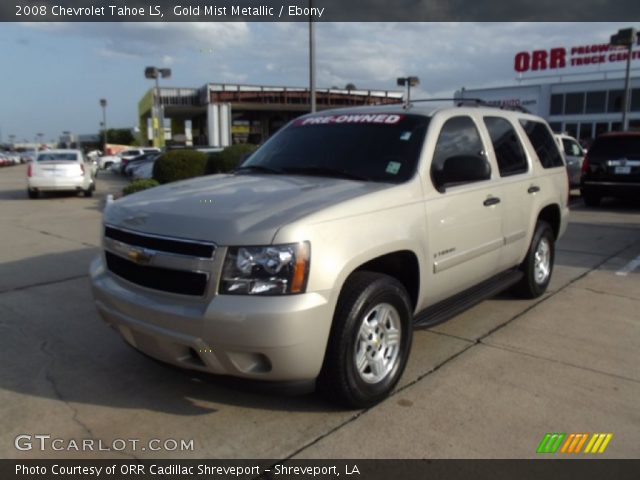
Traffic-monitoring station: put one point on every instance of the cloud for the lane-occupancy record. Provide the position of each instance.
(152, 39)
(372, 55)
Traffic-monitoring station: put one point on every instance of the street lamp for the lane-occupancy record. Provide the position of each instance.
(39, 136)
(625, 38)
(409, 82)
(103, 104)
(312, 59)
(67, 138)
(158, 122)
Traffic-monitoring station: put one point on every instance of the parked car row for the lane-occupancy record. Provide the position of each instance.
(119, 161)
(9, 158)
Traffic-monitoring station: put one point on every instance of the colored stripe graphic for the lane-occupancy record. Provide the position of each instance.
(598, 443)
(550, 443)
(572, 443)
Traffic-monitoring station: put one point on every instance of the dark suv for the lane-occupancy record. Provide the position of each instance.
(611, 168)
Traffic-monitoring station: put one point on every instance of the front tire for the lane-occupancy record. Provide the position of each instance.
(538, 264)
(369, 342)
(32, 193)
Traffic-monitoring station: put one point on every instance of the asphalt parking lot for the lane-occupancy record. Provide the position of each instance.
(487, 384)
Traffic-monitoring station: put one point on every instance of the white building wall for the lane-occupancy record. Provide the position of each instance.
(537, 99)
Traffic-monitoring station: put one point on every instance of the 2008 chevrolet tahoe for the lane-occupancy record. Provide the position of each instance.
(320, 254)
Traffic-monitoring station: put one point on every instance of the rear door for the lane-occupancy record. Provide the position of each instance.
(518, 186)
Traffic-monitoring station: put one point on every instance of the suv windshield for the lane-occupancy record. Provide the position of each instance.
(617, 146)
(376, 147)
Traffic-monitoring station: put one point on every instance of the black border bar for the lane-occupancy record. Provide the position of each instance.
(322, 11)
(543, 468)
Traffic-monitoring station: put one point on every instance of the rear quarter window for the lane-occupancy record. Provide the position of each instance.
(543, 143)
(506, 145)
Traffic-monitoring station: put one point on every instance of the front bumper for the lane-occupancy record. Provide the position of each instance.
(276, 338)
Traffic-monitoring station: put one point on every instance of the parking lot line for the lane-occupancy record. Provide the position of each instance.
(629, 267)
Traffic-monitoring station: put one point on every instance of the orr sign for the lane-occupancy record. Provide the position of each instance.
(561, 57)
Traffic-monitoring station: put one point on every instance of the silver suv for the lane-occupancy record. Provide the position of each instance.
(317, 258)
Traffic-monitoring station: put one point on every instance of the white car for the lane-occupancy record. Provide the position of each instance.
(60, 170)
(106, 161)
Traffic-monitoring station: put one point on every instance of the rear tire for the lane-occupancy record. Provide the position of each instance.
(369, 342)
(538, 264)
(89, 192)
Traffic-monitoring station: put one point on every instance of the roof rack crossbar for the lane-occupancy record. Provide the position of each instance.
(473, 102)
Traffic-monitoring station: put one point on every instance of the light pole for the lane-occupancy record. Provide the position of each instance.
(312, 59)
(157, 121)
(625, 38)
(39, 137)
(67, 138)
(409, 82)
(103, 104)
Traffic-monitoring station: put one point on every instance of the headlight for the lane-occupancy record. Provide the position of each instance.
(269, 270)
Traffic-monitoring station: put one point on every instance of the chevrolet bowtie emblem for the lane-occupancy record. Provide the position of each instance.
(141, 257)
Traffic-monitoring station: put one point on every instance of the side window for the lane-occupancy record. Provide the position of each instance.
(459, 157)
(509, 152)
(544, 145)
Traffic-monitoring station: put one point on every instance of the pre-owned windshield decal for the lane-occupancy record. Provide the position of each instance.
(375, 118)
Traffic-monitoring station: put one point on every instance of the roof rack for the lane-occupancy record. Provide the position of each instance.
(471, 102)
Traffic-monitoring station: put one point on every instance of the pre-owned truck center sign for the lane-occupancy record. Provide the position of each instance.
(560, 57)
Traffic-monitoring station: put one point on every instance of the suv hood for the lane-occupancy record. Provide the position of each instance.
(245, 209)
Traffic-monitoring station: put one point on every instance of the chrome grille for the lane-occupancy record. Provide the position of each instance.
(161, 263)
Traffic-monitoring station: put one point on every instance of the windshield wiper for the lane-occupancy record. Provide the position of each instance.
(324, 172)
(257, 168)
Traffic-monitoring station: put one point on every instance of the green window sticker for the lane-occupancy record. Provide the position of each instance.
(393, 168)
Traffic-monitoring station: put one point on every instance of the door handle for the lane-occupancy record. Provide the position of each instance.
(491, 201)
(533, 189)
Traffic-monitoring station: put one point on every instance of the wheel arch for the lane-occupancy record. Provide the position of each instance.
(402, 265)
(551, 214)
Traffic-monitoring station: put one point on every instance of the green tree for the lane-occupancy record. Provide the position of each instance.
(119, 136)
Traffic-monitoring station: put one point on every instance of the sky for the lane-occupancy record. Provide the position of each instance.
(54, 74)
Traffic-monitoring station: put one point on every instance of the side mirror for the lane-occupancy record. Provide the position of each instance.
(461, 169)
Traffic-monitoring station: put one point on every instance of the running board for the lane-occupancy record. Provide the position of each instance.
(446, 309)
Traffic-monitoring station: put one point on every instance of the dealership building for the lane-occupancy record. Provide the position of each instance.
(578, 90)
(219, 115)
